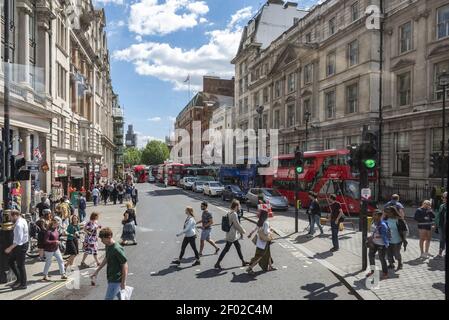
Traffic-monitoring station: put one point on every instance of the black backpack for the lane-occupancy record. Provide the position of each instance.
(225, 225)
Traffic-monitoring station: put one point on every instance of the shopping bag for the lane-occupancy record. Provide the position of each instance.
(126, 293)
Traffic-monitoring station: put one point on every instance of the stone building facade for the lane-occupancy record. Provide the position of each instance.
(319, 83)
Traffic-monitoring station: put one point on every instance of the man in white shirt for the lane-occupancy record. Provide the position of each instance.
(18, 250)
(95, 195)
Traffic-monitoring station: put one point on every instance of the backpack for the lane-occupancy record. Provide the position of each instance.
(225, 225)
(402, 227)
(388, 231)
(82, 204)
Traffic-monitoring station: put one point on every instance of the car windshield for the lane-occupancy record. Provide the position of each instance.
(271, 193)
(199, 183)
(190, 179)
(215, 184)
(235, 188)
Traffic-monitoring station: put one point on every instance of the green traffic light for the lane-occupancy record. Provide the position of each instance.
(299, 170)
(370, 163)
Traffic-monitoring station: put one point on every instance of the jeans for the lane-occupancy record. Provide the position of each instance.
(315, 220)
(113, 291)
(17, 263)
(382, 252)
(192, 242)
(228, 246)
(81, 214)
(58, 256)
(95, 200)
(394, 252)
(335, 229)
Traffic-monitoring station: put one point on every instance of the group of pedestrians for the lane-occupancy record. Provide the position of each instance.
(234, 232)
(115, 191)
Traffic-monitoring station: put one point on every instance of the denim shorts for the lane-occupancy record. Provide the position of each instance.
(205, 234)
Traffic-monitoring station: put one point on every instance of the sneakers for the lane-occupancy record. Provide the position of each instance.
(196, 263)
(176, 261)
(218, 266)
(245, 263)
(333, 250)
(45, 278)
(64, 277)
(250, 270)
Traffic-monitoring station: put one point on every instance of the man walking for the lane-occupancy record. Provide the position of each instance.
(394, 202)
(336, 215)
(117, 269)
(18, 250)
(207, 222)
(95, 195)
(231, 235)
(82, 208)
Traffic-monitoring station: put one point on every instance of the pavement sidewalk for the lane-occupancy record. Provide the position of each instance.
(419, 279)
(110, 216)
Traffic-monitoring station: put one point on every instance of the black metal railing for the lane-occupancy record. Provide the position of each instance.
(409, 195)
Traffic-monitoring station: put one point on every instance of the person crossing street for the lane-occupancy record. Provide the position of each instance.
(206, 225)
(189, 233)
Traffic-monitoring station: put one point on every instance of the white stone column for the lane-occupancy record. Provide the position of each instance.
(43, 53)
(24, 51)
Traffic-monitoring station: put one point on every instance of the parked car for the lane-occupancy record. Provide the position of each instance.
(151, 179)
(276, 200)
(198, 186)
(187, 182)
(213, 188)
(233, 191)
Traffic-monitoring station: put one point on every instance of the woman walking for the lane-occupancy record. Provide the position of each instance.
(71, 248)
(263, 243)
(51, 249)
(189, 232)
(315, 214)
(378, 242)
(424, 216)
(90, 245)
(129, 225)
(394, 249)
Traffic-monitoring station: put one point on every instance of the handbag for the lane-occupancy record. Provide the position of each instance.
(263, 236)
(370, 242)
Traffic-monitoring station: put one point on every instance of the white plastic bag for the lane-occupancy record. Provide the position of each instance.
(126, 293)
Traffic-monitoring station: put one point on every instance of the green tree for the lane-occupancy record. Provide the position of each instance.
(132, 156)
(155, 152)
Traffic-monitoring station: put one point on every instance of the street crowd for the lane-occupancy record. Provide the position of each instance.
(59, 232)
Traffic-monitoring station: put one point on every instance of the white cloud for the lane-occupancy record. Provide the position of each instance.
(155, 119)
(142, 139)
(106, 2)
(138, 38)
(149, 17)
(173, 64)
(203, 20)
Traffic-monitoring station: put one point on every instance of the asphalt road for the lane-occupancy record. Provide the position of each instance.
(160, 215)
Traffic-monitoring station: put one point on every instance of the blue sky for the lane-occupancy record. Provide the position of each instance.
(155, 44)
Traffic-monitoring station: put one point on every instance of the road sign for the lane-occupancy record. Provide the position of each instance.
(366, 193)
(32, 165)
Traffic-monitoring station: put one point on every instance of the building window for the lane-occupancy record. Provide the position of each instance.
(245, 84)
(240, 86)
(405, 37)
(402, 154)
(404, 89)
(330, 104)
(309, 37)
(355, 11)
(240, 107)
(330, 62)
(332, 26)
(352, 93)
(265, 95)
(437, 139)
(276, 119)
(61, 35)
(59, 128)
(72, 135)
(443, 22)
(256, 99)
(331, 143)
(291, 82)
(306, 108)
(350, 140)
(62, 81)
(308, 69)
(290, 115)
(353, 53)
(245, 105)
(438, 69)
(277, 89)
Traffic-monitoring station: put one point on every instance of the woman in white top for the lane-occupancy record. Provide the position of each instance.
(264, 236)
(189, 232)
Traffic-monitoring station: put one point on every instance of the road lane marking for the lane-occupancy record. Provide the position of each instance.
(51, 290)
(284, 267)
(152, 272)
(198, 270)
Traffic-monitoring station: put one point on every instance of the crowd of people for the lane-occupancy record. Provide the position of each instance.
(115, 191)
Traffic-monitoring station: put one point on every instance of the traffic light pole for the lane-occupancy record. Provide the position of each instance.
(296, 201)
(364, 215)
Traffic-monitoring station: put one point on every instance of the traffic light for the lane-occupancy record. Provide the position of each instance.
(2, 162)
(436, 163)
(299, 163)
(18, 173)
(368, 156)
(354, 157)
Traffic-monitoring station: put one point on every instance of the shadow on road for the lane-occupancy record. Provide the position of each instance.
(436, 264)
(439, 286)
(323, 255)
(244, 277)
(168, 192)
(211, 273)
(319, 291)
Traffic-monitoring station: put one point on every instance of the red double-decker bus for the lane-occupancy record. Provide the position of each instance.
(141, 173)
(325, 172)
(173, 172)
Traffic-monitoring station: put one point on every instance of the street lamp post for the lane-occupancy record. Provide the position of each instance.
(443, 82)
(307, 116)
(259, 111)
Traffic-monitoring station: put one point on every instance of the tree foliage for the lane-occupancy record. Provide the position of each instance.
(132, 156)
(155, 152)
